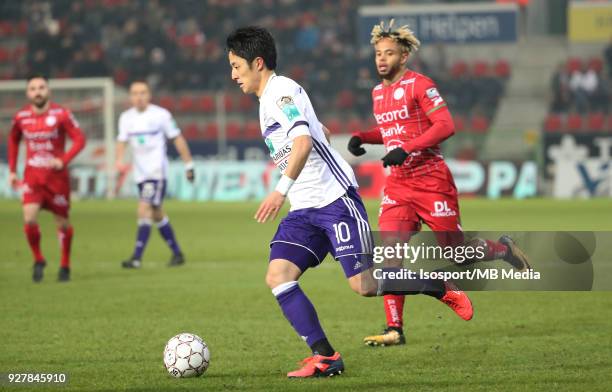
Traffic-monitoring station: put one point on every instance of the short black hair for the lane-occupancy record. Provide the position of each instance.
(251, 42)
(139, 80)
(37, 75)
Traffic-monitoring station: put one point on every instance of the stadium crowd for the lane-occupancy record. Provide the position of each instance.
(179, 46)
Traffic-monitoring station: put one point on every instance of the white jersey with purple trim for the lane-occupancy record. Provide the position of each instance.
(147, 132)
(285, 112)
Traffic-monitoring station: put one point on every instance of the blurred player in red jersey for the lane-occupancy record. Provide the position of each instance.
(412, 120)
(46, 184)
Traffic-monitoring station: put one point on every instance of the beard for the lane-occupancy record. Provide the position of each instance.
(40, 101)
(392, 71)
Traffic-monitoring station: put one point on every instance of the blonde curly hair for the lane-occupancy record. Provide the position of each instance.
(402, 35)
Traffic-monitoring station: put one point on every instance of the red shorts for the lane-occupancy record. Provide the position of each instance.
(50, 191)
(429, 199)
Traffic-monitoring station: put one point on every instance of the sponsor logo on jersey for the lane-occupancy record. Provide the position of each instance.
(281, 157)
(393, 115)
(441, 209)
(40, 146)
(386, 200)
(41, 159)
(288, 107)
(398, 93)
(60, 200)
(41, 135)
(50, 121)
(344, 247)
(407, 81)
(394, 130)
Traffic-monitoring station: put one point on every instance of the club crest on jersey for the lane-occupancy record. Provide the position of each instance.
(398, 93)
(288, 107)
(50, 121)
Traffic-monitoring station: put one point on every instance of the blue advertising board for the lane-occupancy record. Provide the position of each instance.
(448, 23)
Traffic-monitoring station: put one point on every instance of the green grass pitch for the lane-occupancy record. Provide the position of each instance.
(107, 328)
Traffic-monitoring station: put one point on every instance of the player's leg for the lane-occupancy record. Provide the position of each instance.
(296, 247)
(396, 225)
(58, 202)
(32, 233)
(146, 192)
(64, 234)
(165, 228)
(438, 206)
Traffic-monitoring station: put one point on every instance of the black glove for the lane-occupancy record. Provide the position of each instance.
(354, 146)
(190, 174)
(395, 157)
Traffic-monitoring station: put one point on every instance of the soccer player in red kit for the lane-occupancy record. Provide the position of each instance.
(43, 125)
(412, 120)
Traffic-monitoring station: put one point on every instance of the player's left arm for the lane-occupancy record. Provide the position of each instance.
(74, 132)
(442, 125)
(183, 149)
(173, 132)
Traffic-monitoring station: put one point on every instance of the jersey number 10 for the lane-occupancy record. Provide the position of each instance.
(343, 233)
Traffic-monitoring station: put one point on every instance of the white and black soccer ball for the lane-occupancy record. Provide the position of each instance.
(186, 355)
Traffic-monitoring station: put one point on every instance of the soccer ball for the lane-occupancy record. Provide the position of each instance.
(186, 355)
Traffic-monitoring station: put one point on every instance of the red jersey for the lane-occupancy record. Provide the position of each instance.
(45, 138)
(411, 114)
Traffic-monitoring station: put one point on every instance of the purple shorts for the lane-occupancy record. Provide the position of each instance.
(152, 191)
(341, 228)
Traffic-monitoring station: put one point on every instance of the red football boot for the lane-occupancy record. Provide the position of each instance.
(458, 301)
(319, 366)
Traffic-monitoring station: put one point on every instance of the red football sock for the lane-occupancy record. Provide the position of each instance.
(65, 239)
(394, 310)
(495, 250)
(32, 233)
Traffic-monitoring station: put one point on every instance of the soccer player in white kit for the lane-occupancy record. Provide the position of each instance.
(327, 214)
(146, 127)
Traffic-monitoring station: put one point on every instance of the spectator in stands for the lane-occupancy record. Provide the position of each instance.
(584, 85)
(177, 45)
(92, 64)
(608, 58)
(562, 99)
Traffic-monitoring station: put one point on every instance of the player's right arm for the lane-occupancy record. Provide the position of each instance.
(13, 152)
(287, 108)
(122, 139)
(119, 156)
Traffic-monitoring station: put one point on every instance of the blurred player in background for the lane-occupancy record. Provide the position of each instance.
(413, 119)
(326, 215)
(46, 183)
(146, 127)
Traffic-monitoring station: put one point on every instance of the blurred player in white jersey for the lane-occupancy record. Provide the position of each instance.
(147, 127)
(327, 214)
